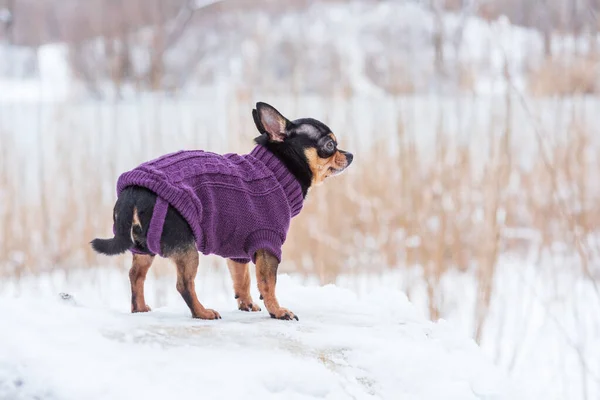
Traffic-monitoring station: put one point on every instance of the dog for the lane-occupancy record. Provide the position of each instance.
(236, 206)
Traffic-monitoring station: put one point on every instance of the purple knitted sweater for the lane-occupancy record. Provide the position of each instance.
(235, 204)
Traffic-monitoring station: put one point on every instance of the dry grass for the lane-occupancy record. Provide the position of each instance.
(566, 76)
(450, 211)
(449, 206)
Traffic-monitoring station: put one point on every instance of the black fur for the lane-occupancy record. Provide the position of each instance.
(302, 133)
(122, 218)
(293, 157)
(176, 236)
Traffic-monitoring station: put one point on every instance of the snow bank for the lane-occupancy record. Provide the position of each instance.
(342, 347)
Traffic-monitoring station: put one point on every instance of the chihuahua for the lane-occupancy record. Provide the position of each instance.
(236, 206)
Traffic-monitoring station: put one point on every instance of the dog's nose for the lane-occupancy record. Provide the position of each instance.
(349, 158)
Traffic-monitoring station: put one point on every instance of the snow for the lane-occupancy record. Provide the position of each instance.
(535, 336)
(44, 74)
(344, 346)
(542, 327)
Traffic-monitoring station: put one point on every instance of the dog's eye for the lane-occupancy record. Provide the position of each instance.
(330, 146)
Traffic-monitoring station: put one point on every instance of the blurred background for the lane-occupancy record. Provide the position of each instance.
(474, 123)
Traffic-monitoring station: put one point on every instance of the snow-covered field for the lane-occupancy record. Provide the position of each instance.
(359, 339)
(542, 329)
(376, 346)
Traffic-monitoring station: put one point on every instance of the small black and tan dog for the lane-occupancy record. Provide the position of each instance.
(297, 155)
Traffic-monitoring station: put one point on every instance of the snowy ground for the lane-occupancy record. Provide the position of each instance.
(89, 347)
(543, 326)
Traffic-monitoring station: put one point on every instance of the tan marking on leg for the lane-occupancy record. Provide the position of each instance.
(137, 276)
(240, 274)
(187, 267)
(135, 223)
(136, 217)
(266, 275)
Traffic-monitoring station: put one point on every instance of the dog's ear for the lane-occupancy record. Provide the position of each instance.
(270, 121)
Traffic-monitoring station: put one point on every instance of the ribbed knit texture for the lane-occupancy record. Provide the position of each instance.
(235, 204)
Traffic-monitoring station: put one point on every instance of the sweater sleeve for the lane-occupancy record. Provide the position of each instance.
(264, 240)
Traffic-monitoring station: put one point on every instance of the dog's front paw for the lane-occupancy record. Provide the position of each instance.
(283, 313)
(247, 305)
(208, 314)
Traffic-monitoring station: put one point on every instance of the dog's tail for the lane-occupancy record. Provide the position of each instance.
(123, 221)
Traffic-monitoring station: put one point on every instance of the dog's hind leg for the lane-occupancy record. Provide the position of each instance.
(137, 276)
(240, 274)
(187, 266)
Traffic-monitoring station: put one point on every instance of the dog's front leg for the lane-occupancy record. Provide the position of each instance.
(240, 274)
(266, 275)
